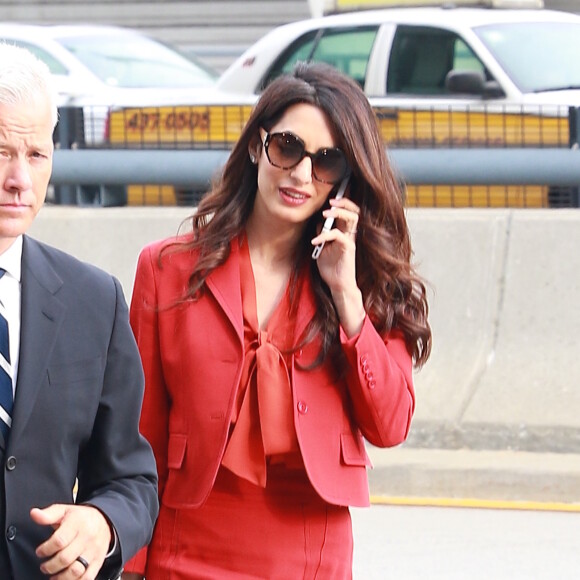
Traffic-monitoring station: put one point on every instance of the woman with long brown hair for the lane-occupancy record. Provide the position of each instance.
(265, 366)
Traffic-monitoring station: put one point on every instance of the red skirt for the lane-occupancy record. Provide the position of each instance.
(244, 531)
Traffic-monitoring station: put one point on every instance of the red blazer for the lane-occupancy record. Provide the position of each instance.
(192, 356)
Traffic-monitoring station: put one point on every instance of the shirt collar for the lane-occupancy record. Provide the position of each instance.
(11, 259)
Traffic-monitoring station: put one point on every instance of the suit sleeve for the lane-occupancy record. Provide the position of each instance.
(155, 414)
(116, 468)
(380, 382)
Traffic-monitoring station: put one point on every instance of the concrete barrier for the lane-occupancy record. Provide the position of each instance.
(504, 287)
(505, 368)
(110, 238)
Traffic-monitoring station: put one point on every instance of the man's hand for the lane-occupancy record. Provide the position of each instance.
(79, 530)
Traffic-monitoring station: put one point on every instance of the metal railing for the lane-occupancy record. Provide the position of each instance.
(447, 156)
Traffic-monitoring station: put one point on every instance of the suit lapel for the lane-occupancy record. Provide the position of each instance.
(41, 316)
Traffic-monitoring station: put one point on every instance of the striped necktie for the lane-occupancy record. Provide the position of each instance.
(6, 393)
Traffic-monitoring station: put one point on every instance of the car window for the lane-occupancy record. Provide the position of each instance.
(55, 66)
(346, 49)
(300, 50)
(549, 62)
(422, 56)
(133, 62)
(464, 58)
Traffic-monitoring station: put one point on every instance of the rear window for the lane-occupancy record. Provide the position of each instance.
(134, 61)
(55, 66)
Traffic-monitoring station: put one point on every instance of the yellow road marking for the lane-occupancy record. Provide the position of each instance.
(476, 503)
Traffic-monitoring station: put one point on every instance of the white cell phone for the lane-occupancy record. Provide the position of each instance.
(329, 221)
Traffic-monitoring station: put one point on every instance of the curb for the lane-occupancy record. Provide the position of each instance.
(462, 478)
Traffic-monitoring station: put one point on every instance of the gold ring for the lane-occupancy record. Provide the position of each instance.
(82, 561)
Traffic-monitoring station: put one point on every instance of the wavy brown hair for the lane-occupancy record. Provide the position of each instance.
(394, 295)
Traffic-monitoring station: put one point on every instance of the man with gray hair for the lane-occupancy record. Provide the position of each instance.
(78, 486)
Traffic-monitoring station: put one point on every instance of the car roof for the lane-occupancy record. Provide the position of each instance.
(449, 17)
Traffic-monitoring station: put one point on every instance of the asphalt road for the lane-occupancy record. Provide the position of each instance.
(436, 543)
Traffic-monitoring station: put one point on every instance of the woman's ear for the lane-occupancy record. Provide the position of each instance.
(254, 149)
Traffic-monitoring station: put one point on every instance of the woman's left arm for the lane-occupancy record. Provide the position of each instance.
(379, 377)
(380, 383)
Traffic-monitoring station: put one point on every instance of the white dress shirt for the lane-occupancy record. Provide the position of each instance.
(11, 261)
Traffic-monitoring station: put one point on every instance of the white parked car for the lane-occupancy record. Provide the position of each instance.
(423, 68)
(100, 67)
(413, 56)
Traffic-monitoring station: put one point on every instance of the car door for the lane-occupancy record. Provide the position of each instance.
(422, 57)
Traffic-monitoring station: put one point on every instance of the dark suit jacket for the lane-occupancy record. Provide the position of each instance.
(76, 412)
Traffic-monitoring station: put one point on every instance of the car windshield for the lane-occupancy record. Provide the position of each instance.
(537, 56)
(136, 62)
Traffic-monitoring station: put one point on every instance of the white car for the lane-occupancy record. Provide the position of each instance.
(413, 56)
(100, 67)
(515, 72)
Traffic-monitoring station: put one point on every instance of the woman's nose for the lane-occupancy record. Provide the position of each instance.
(303, 171)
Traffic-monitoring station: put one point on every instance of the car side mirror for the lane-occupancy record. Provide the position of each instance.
(470, 82)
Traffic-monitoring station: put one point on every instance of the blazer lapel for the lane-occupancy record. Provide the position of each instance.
(224, 284)
(41, 316)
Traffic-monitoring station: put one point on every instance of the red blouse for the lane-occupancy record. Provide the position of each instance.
(262, 422)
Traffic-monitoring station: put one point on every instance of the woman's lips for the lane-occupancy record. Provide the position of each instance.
(293, 197)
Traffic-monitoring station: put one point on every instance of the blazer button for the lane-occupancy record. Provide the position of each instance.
(302, 407)
(11, 533)
(11, 463)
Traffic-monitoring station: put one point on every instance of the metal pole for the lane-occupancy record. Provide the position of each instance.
(195, 169)
(65, 193)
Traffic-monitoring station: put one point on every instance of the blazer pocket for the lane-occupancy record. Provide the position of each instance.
(69, 404)
(353, 451)
(176, 450)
